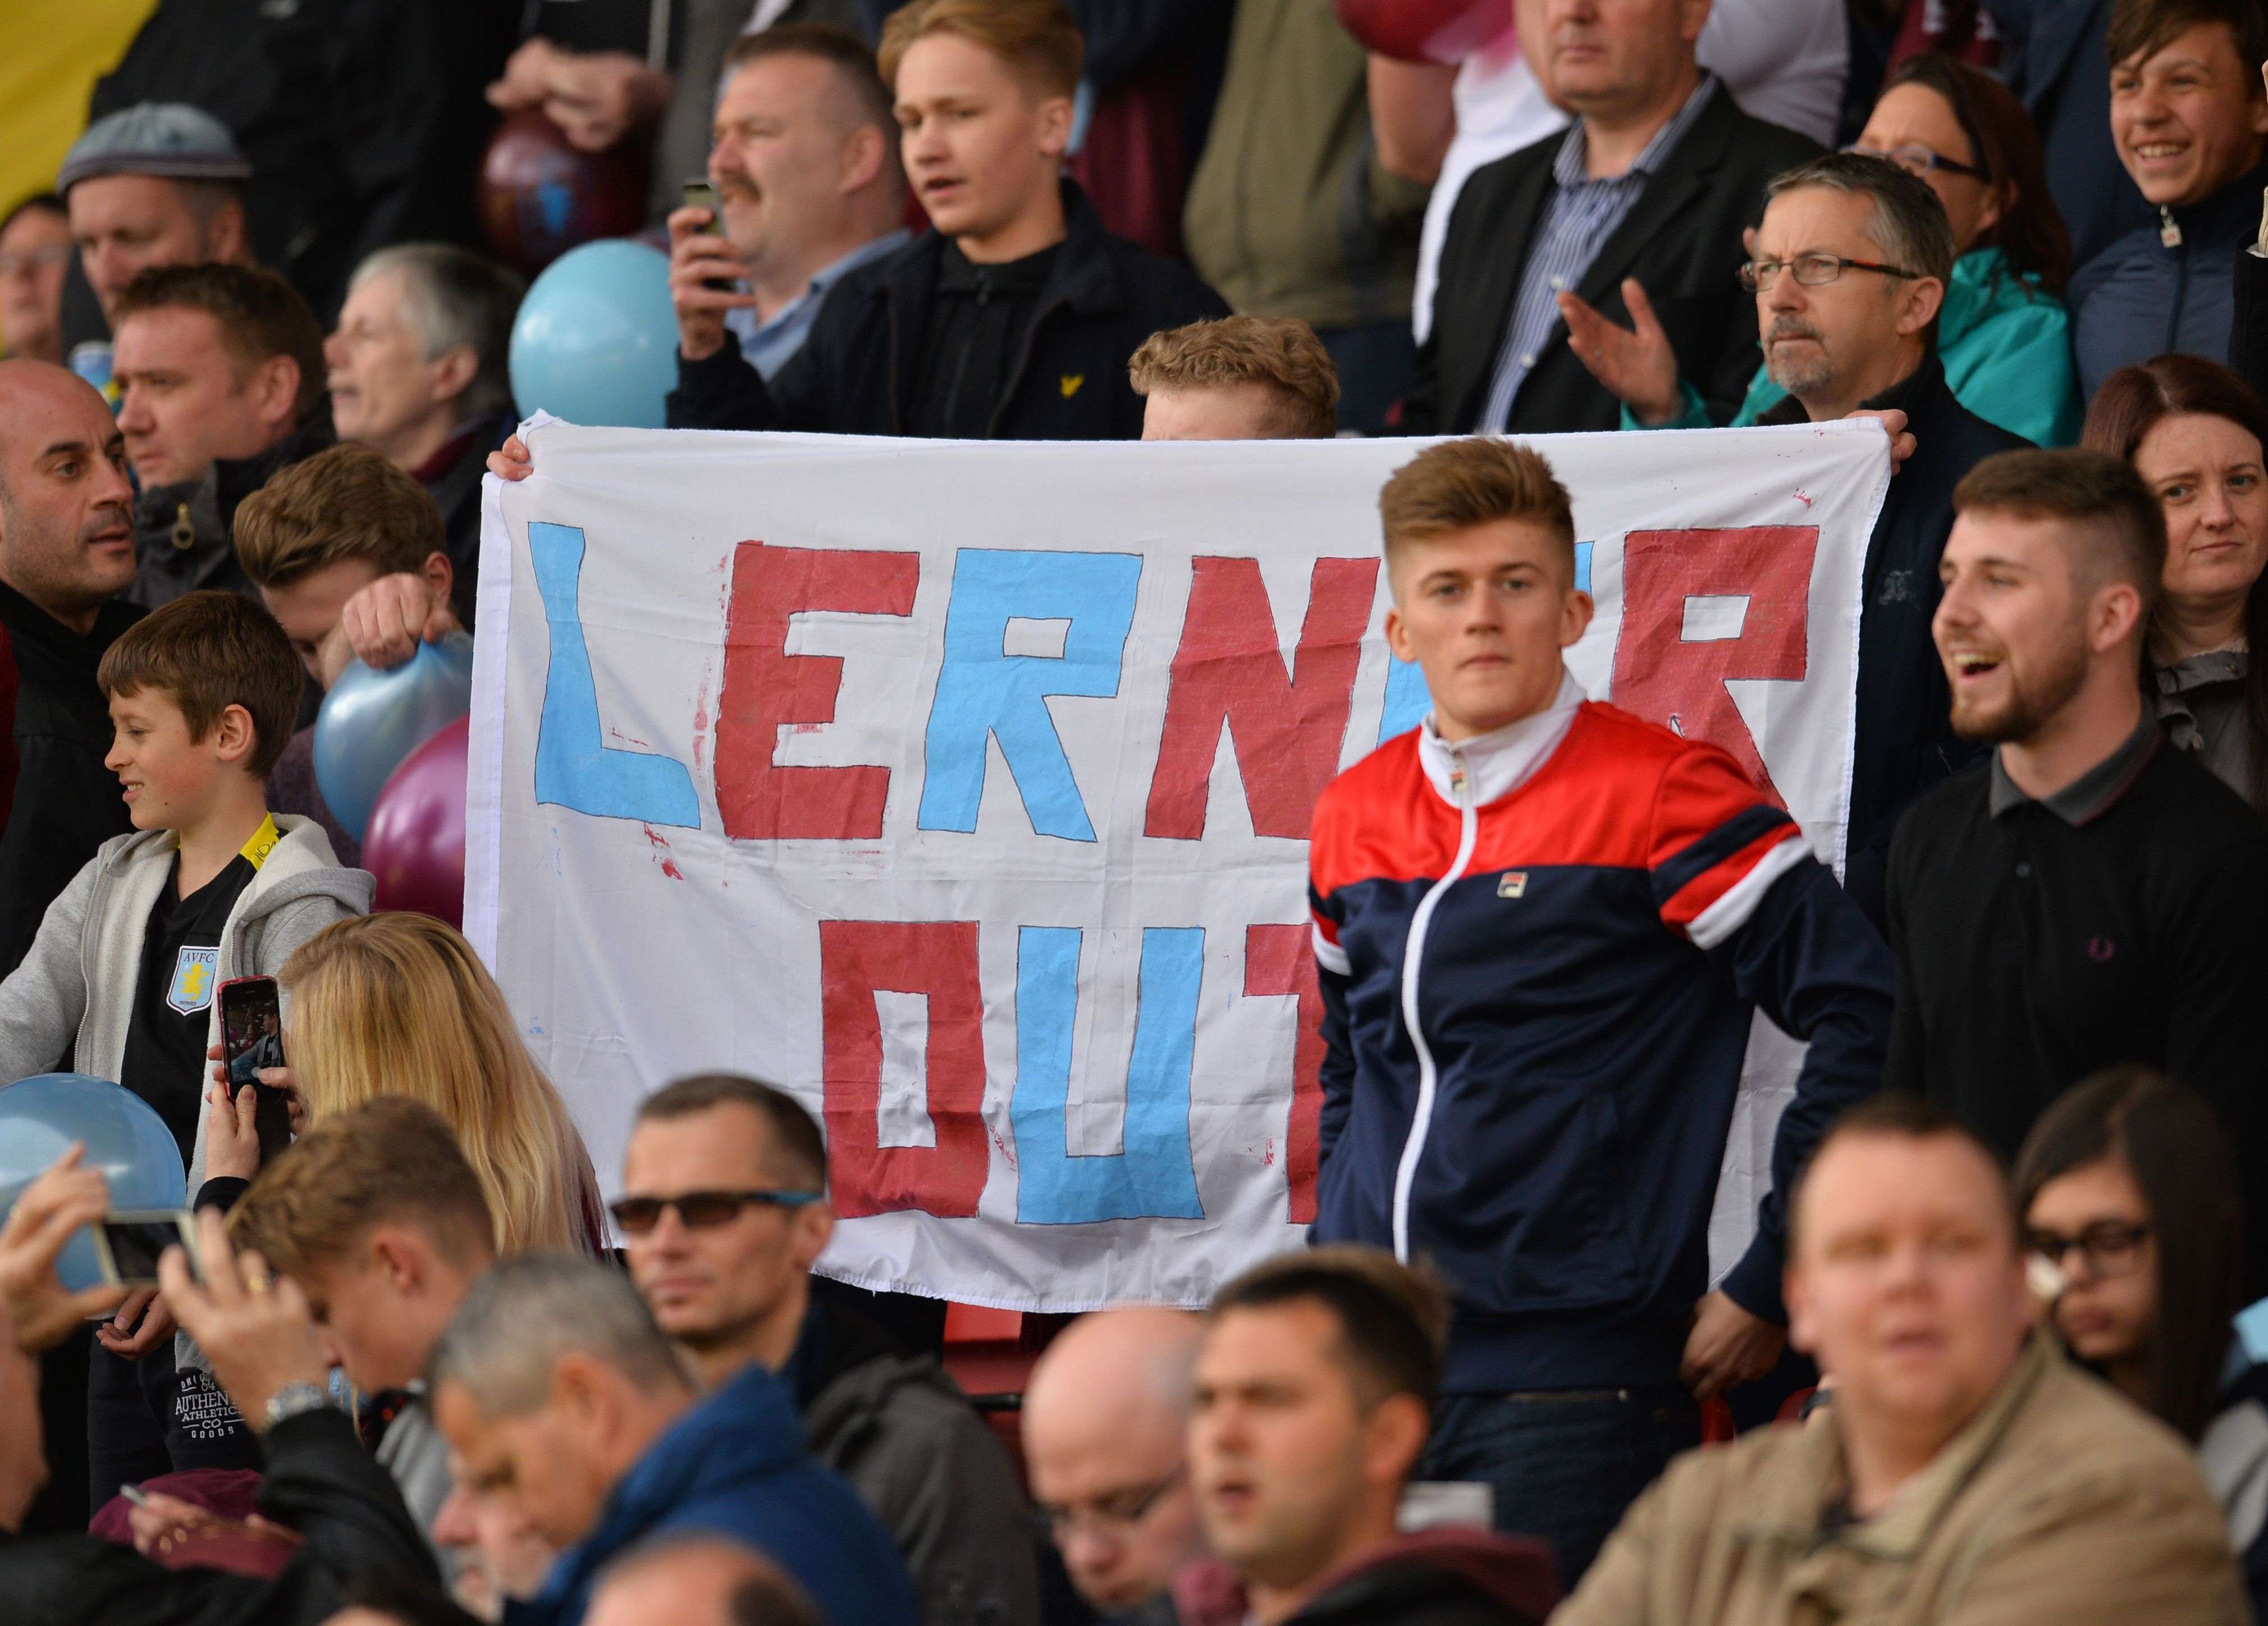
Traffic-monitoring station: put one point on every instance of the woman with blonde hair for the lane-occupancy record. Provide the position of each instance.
(399, 1004)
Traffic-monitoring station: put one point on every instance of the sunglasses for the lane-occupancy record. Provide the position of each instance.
(700, 1210)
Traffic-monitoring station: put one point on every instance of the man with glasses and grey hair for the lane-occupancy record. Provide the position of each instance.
(724, 1211)
(419, 372)
(1849, 270)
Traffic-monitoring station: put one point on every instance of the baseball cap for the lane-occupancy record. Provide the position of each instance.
(155, 138)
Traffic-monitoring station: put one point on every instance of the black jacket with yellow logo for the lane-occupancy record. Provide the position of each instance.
(860, 371)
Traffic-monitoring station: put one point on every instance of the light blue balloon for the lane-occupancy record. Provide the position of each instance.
(371, 720)
(596, 338)
(125, 1138)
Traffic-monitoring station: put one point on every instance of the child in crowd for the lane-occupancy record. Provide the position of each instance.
(120, 982)
(344, 529)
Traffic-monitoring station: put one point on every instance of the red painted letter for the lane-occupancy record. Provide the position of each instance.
(765, 688)
(938, 959)
(1287, 729)
(1667, 675)
(1281, 960)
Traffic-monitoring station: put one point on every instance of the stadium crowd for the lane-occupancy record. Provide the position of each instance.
(1986, 1346)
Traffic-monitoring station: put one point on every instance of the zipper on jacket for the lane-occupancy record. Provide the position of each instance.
(1023, 363)
(2180, 283)
(1405, 1173)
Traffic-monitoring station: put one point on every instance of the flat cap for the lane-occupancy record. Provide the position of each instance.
(155, 138)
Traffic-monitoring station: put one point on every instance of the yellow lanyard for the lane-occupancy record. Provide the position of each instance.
(263, 842)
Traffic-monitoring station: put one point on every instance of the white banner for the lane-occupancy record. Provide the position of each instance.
(964, 790)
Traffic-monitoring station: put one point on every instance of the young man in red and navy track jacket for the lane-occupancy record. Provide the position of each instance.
(1543, 927)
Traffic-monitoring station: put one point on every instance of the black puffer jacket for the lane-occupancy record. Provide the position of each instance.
(856, 372)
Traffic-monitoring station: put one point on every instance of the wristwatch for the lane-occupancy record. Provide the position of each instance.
(292, 1400)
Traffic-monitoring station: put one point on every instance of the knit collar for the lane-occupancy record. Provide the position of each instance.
(2094, 792)
(1489, 767)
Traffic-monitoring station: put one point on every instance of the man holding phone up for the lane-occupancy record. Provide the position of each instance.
(803, 186)
(1013, 318)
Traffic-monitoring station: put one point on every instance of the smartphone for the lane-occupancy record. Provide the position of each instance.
(251, 1029)
(127, 1242)
(700, 194)
(251, 1038)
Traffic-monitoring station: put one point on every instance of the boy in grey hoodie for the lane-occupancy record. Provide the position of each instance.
(210, 887)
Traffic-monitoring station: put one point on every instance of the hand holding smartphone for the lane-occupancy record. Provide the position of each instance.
(129, 1241)
(252, 1039)
(702, 193)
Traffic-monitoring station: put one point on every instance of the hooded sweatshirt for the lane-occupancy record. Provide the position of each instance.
(76, 987)
(1443, 1577)
(735, 1465)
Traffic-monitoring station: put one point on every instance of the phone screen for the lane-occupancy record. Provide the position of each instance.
(252, 1028)
(702, 195)
(136, 1241)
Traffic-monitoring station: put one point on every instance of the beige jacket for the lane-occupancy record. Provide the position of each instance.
(2059, 1503)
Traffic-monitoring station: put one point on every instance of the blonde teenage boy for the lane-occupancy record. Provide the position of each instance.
(1543, 927)
(121, 980)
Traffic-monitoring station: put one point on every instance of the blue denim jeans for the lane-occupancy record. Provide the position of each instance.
(1565, 1464)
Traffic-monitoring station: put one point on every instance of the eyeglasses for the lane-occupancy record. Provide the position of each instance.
(1916, 160)
(2111, 1247)
(1116, 1516)
(52, 254)
(701, 1210)
(1811, 270)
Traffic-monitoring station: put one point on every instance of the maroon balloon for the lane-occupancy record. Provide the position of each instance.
(1423, 31)
(415, 842)
(540, 196)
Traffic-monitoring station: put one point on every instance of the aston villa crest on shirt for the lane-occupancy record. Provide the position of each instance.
(192, 987)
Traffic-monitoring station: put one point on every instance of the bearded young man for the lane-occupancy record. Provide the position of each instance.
(2092, 898)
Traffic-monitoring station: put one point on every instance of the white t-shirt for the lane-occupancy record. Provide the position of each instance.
(1784, 61)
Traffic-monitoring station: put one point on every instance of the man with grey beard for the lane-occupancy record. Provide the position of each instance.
(1849, 269)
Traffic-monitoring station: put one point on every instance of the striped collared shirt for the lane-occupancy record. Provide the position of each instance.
(1579, 217)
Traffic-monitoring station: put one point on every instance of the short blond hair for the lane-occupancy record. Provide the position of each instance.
(1281, 352)
(390, 1161)
(346, 502)
(1039, 38)
(1459, 484)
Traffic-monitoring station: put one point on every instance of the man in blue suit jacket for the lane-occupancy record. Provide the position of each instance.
(561, 1397)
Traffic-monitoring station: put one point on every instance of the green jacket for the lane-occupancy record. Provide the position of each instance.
(1289, 213)
(2006, 350)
